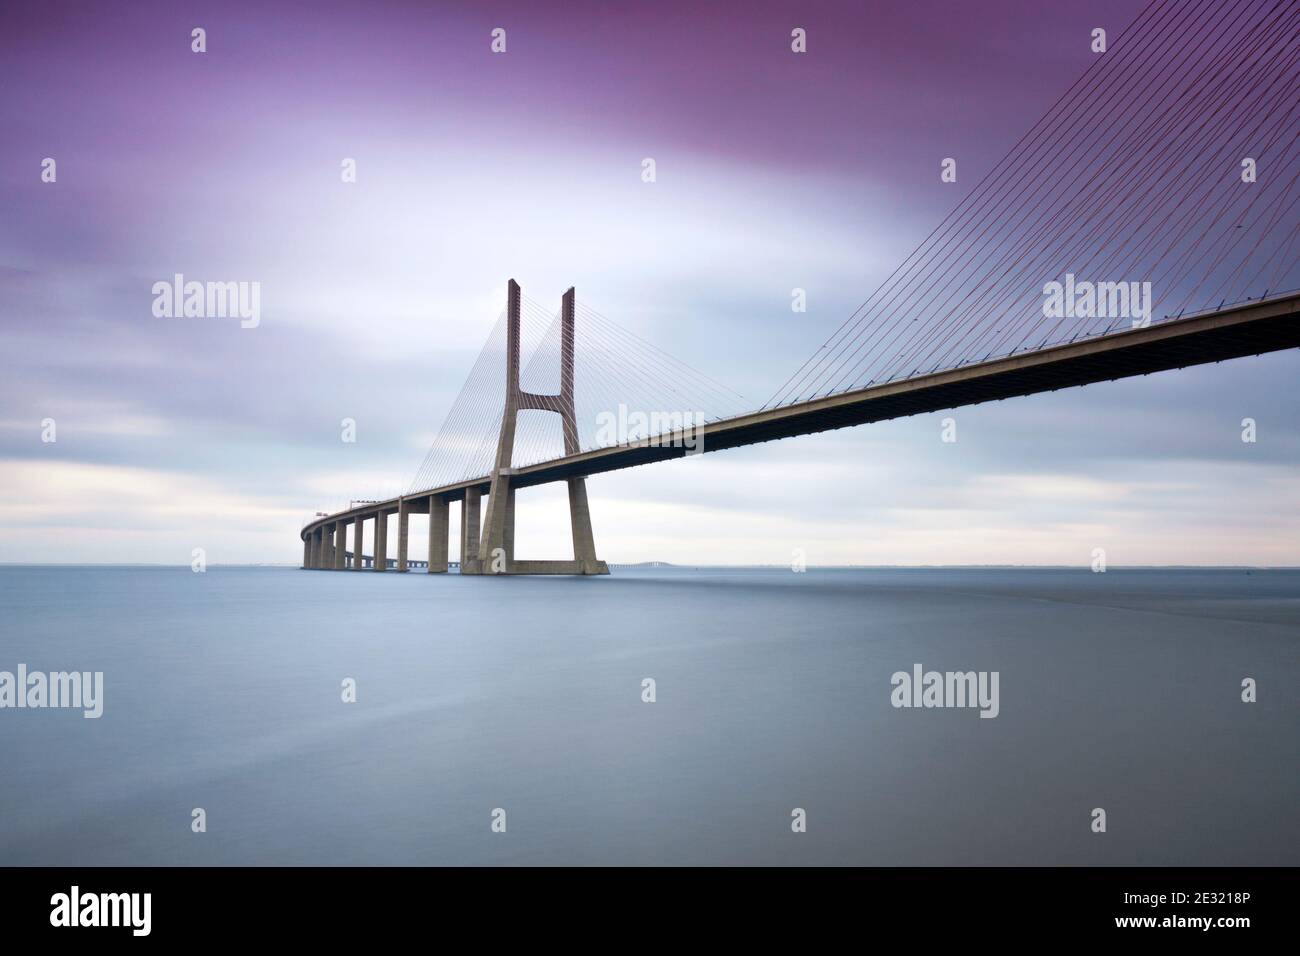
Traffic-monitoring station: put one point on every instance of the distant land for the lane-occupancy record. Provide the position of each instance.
(728, 567)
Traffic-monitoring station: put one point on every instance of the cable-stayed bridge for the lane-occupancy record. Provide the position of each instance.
(1147, 221)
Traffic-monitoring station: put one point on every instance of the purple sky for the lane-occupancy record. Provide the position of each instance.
(775, 171)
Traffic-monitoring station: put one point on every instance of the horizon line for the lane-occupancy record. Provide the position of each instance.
(724, 566)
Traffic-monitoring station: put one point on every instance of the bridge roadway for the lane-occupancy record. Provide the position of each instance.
(1251, 328)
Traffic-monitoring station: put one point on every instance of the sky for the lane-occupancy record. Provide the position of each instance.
(774, 171)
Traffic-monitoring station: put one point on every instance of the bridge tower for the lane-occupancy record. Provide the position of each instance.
(496, 547)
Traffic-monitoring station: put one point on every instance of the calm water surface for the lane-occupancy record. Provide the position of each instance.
(222, 691)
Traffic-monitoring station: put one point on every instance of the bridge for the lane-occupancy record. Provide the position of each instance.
(1050, 274)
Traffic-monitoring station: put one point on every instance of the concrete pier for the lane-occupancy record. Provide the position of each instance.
(340, 545)
(439, 530)
(584, 542)
(469, 531)
(509, 536)
(358, 534)
(381, 541)
(403, 531)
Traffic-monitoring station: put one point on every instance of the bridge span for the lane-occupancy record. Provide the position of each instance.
(487, 547)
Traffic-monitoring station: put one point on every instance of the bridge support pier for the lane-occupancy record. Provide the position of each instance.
(508, 537)
(438, 534)
(469, 531)
(381, 541)
(358, 536)
(340, 545)
(584, 541)
(403, 531)
(306, 552)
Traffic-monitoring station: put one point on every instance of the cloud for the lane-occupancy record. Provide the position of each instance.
(63, 512)
(378, 295)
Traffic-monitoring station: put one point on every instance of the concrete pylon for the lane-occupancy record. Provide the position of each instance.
(340, 545)
(495, 553)
(508, 542)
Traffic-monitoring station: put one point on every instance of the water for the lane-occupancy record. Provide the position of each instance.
(223, 691)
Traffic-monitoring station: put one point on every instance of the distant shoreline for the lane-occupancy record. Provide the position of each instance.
(644, 565)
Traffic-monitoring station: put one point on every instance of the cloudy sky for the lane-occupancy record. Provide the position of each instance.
(774, 171)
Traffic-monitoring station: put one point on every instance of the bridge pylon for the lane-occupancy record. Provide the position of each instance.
(496, 546)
